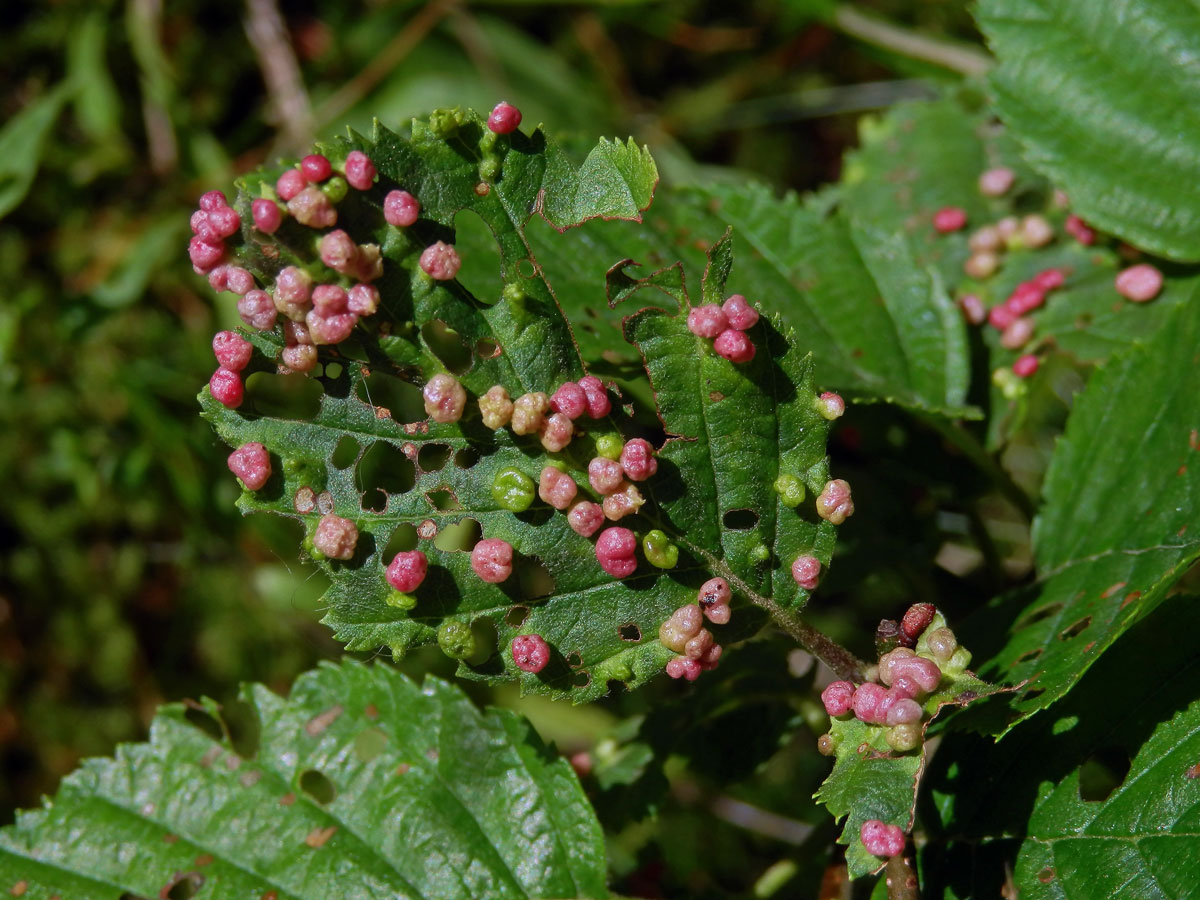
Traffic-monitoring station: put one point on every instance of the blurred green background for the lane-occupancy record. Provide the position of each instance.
(126, 575)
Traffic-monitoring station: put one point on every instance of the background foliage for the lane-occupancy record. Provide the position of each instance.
(127, 577)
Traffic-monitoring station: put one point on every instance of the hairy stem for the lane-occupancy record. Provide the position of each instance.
(950, 55)
(901, 879)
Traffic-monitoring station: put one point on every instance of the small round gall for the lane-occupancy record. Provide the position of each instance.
(440, 261)
(224, 221)
(707, 321)
(916, 619)
(267, 215)
(1139, 283)
(407, 570)
(252, 464)
(1025, 365)
(790, 490)
(556, 487)
(637, 459)
(457, 639)
(740, 314)
(529, 413)
(598, 403)
(615, 549)
(904, 737)
(981, 265)
(505, 118)
(556, 432)
(734, 346)
(238, 280)
(605, 475)
(949, 218)
(312, 208)
(328, 300)
(362, 299)
(491, 560)
(904, 711)
(299, 357)
(232, 351)
(513, 490)
(585, 517)
(1036, 231)
(866, 703)
(335, 537)
(226, 388)
(941, 643)
(609, 446)
(293, 288)
(211, 200)
(714, 593)
(806, 570)
(1000, 316)
(315, 168)
(889, 661)
(257, 310)
(444, 398)
(570, 400)
(338, 251)
(1080, 230)
(360, 171)
(1025, 298)
(495, 407)
(882, 840)
(290, 184)
(401, 209)
(625, 501)
(682, 667)
(660, 552)
(985, 240)
(1050, 279)
(973, 309)
(530, 653)
(831, 406)
(996, 182)
(1017, 334)
(834, 503)
(697, 647)
(838, 698)
(205, 256)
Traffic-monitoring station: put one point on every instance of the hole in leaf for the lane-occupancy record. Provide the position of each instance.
(345, 453)
(630, 632)
(204, 721)
(284, 396)
(443, 500)
(534, 579)
(466, 457)
(402, 400)
(516, 616)
(526, 268)
(1032, 694)
(447, 345)
(1028, 655)
(317, 786)
(581, 679)
(245, 729)
(574, 659)
(369, 744)
(740, 519)
(432, 457)
(1076, 629)
(462, 536)
(385, 468)
(1102, 773)
(480, 271)
(186, 887)
(1038, 614)
(333, 370)
(403, 538)
(486, 348)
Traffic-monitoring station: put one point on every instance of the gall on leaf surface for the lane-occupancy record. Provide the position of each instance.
(365, 449)
(1100, 96)
(361, 779)
(1119, 524)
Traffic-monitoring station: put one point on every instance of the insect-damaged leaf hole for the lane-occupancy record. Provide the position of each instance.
(403, 539)
(317, 786)
(384, 470)
(345, 453)
(403, 401)
(432, 457)
(1102, 773)
(447, 345)
(283, 396)
(480, 271)
(535, 579)
(185, 887)
(629, 632)
(740, 519)
(462, 535)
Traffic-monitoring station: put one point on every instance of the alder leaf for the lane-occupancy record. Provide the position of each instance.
(361, 779)
(355, 440)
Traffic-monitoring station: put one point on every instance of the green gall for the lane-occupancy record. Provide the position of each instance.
(456, 639)
(489, 168)
(958, 662)
(398, 600)
(609, 446)
(659, 550)
(790, 490)
(760, 553)
(335, 188)
(513, 490)
(513, 292)
(903, 738)
(1009, 383)
(487, 141)
(444, 123)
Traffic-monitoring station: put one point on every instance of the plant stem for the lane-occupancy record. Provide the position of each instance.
(902, 881)
(952, 55)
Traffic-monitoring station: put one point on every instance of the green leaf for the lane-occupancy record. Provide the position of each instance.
(1119, 521)
(1100, 95)
(361, 779)
(364, 449)
(21, 142)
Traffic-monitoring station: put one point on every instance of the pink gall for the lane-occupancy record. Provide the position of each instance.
(556, 432)
(232, 351)
(598, 403)
(973, 309)
(996, 182)
(713, 593)
(834, 503)
(738, 313)
(698, 646)
(338, 251)
(312, 208)
(1140, 283)
(682, 667)
(335, 537)
(734, 346)
(838, 698)
(1000, 316)
(360, 171)
(315, 168)
(806, 570)
(252, 464)
(1017, 334)
(1025, 298)
(257, 310)
(585, 517)
(637, 459)
(362, 300)
(557, 487)
(492, 560)
(1080, 230)
(711, 658)
(289, 184)
(205, 256)
(570, 400)
(615, 549)
(238, 280)
(331, 329)
(407, 571)
(903, 711)
(226, 388)
(440, 261)
(293, 288)
(401, 209)
(1050, 279)
(949, 218)
(299, 357)
(267, 215)
(530, 653)
(605, 475)
(296, 333)
(882, 840)
(625, 501)
(831, 406)
(867, 700)
(1036, 231)
(444, 398)
(916, 619)
(505, 118)
(328, 300)
(707, 321)
(212, 200)
(225, 221)
(1025, 366)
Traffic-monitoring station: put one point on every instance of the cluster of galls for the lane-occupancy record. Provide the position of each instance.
(726, 325)
(683, 631)
(988, 245)
(912, 662)
(319, 306)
